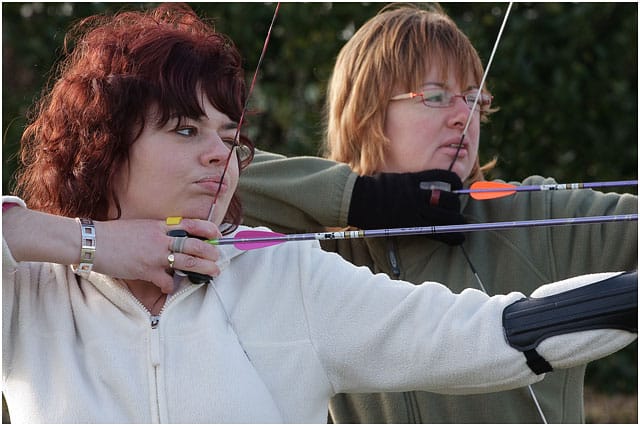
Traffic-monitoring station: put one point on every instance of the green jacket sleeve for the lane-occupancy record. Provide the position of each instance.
(564, 251)
(595, 247)
(298, 194)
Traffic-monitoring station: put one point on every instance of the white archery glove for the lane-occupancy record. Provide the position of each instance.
(572, 322)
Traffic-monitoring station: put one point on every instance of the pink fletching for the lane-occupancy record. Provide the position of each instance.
(259, 239)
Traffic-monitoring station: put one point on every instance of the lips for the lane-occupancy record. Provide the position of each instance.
(212, 184)
(450, 148)
(454, 143)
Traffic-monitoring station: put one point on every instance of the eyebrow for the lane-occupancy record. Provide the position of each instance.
(229, 125)
(434, 83)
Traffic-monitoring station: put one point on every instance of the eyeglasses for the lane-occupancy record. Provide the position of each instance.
(242, 151)
(442, 98)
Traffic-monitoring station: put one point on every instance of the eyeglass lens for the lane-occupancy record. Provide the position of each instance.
(440, 98)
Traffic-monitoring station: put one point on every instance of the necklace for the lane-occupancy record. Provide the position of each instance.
(152, 308)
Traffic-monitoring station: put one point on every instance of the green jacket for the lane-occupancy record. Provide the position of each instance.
(306, 194)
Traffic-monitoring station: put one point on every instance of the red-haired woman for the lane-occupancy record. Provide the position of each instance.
(134, 135)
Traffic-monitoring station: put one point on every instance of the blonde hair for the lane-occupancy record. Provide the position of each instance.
(387, 49)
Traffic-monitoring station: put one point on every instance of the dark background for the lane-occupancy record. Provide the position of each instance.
(564, 76)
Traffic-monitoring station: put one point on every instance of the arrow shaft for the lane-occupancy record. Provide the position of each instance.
(551, 187)
(426, 230)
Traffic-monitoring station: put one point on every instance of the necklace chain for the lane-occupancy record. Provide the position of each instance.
(153, 306)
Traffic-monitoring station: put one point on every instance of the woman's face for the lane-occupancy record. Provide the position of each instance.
(424, 137)
(176, 170)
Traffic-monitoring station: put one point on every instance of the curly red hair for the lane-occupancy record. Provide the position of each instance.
(116, 68)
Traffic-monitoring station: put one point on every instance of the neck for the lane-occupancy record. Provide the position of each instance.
(148, 294)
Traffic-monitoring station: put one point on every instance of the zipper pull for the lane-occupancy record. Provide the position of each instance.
(155, 319)
(393, 259)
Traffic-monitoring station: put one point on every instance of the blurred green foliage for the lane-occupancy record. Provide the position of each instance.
(564, 76)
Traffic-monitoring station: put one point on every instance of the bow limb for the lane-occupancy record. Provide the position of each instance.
(244, 110)
(482, 82)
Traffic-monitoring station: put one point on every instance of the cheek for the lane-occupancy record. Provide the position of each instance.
(396, 124)
(151, 181)
(474, 136)
(415, 138)
(233, 174)
(158, 175)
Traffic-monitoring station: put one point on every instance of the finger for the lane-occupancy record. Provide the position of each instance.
(199, 227)
(186, 262)
(177, 244)
(200, 249)
(163, 281)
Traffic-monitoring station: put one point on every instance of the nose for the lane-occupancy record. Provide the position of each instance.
(458, 112)
(216, 151)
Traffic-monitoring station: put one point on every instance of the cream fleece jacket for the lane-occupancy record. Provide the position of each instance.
(271, 339)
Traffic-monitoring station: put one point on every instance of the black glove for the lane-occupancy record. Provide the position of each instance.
(395, 200)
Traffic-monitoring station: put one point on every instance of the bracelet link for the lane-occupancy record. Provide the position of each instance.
(88, 247)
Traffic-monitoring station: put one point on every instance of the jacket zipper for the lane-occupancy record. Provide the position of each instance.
(155, 363)
(154, 341)
(154, 321)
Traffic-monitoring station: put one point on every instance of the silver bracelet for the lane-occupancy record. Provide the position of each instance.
(88, 247)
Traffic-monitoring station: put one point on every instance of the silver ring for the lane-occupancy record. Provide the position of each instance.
(177, 244)
(171, 258)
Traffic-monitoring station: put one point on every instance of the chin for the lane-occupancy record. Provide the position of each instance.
(461, 169)
(200, 211)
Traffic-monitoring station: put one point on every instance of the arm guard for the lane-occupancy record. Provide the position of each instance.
(610, 304)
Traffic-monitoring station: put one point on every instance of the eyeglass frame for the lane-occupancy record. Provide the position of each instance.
(411, 95)
(243, 151)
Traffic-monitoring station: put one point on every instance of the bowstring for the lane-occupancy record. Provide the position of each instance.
(231, 151)
(244, 110)
(455, 158)
(482, 82)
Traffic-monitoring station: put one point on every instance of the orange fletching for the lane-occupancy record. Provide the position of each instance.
(490, 190)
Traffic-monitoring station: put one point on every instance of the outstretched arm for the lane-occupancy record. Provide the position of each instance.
(302, 194)
(295, 194)
(557, 310)
(128, 249)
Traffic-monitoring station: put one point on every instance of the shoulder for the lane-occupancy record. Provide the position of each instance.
(35, 283)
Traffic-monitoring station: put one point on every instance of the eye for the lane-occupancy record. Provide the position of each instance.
(437, 96)
(471, 97)
(483, 101)
(228, 142)
(186, 131)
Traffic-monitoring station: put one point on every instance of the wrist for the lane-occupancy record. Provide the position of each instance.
(87, 247)
(33, 236)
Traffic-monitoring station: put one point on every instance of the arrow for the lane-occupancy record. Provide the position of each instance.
(255, 239)
(486, 190)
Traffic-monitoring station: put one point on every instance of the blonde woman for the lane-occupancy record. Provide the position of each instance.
(397, 103)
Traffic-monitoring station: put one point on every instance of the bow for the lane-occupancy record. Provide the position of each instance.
(244, 110)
